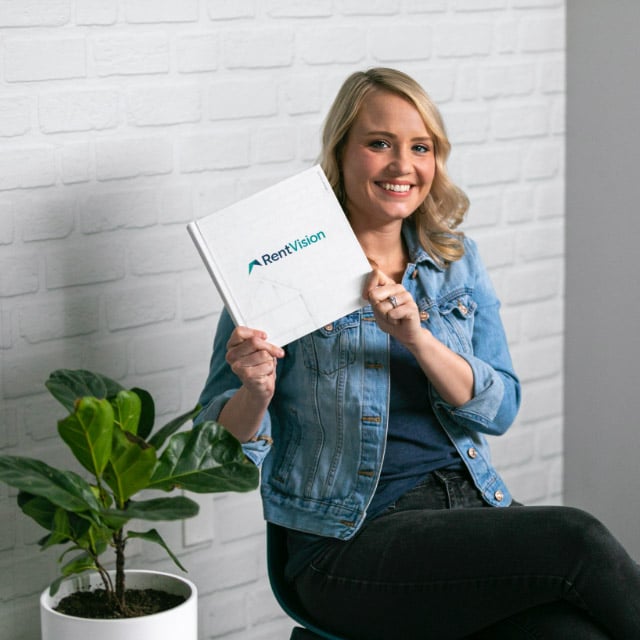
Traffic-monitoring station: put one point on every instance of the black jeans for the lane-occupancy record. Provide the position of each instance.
(440, 565)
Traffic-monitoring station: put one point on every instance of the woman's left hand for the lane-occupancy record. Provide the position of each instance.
(394, 308)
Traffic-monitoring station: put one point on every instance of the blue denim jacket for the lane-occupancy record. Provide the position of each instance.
(322, 442)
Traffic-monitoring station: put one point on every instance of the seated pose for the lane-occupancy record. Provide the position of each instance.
(371, 431)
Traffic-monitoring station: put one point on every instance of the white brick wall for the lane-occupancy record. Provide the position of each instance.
(120, 120)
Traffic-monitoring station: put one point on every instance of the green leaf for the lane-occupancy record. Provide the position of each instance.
(89, 433)
(63, 488)
(157, 509)
(153, 536)
(127, 406)
(79, 564)
(159, 438)
(147, 412)
(206, 459)
(131, 465)
(67, 385)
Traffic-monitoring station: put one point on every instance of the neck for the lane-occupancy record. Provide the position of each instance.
(386, 251)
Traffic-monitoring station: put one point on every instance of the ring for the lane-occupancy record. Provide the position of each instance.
(393, 300)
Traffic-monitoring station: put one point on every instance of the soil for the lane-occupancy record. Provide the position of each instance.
(96, 604)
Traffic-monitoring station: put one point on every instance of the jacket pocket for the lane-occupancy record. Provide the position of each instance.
(457, 312)
(333, 346)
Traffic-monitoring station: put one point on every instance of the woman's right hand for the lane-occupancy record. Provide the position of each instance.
(253, 360)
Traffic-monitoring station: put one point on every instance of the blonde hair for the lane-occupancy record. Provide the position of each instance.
(444, 208)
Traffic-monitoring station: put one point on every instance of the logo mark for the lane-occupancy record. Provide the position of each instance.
(254, 263)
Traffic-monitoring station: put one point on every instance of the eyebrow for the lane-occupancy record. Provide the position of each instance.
(388, 134)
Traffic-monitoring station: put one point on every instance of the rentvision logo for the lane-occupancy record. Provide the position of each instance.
(289, 249)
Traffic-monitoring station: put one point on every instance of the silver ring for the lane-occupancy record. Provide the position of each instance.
(393, 300)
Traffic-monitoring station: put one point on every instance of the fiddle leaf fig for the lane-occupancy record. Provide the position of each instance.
(110, 431)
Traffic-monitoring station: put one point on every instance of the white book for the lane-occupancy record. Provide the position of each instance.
(284, 260)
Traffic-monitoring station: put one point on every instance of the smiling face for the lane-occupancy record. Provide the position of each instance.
(388, 162)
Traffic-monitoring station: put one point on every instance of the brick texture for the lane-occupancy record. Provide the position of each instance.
(120, 121)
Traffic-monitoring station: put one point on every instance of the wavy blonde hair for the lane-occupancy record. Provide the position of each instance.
(446, 205)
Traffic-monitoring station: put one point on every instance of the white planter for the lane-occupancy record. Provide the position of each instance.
(180, 622)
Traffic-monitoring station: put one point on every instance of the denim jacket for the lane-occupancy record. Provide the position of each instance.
(322, 441)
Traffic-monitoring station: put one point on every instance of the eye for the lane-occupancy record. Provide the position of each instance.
(422, 148)
(379, 144)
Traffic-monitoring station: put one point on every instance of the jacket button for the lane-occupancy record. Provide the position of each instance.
(472, 453)
(498, 495)
(424, 315)
(328, 327)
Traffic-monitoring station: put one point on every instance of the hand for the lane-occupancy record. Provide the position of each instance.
(253, 360)
(394, 308)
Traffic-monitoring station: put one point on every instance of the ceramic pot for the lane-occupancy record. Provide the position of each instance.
(179, 622)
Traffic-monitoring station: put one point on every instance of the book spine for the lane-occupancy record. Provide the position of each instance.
(216, 276)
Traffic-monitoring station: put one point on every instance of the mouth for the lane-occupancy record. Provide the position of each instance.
(395, 188)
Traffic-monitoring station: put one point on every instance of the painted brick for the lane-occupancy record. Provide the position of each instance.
(164, 105)
(549, 442)
(549, 200)
(6, 222)
(534, 282)
(542, 34)
(19, 273)
(43, 218)
(330, 45)
(27, 167)
(135, 208)
(479, 5)
(541, 243)
(211, 151)
(78, 111)
(76, 162)
(543, 160)
(464, 39)
(493, 165)
(33, 59)
(239, 517)
(506, 36)
(74, 316)
(521, 121)
(199, 530)
(467, 124)
(108, 356)
(438, 81)
(34, 13)
(301, 95)
(197, 52)
(140, 306)
(484, 211)
(507, 80)
(199, 297)
(9, 432)
(231, 9)
(368, 7)
(420, 6)
(553, 75)
(84, 263)
(15, 115)
(132, 157)
(538, 360)
(95, 12)
(167, 252)
(519, 204)
(145, 11)
(129, 54)
(496, 247)
(299, 8)
(274, 144)
(233, 99)
(251, 49)
(543, 319)
(176, 204)
(401, 42)
(226, 613)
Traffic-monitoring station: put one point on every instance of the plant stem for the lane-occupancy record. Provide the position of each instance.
(119, 544)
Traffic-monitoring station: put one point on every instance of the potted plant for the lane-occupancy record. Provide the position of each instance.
(110, 431)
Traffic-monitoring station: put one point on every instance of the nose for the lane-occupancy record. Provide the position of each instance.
(400, 162)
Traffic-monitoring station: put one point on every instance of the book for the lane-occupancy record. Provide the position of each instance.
(284, 260)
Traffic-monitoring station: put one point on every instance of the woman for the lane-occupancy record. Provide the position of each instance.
(398, 525)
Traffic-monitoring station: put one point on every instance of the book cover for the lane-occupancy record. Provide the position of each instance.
(285, 260)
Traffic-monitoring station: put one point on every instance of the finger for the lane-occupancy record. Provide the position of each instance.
(375, 280)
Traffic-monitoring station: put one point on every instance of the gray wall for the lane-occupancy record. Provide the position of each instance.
(602, 395)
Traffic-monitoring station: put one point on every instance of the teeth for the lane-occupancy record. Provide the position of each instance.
(398, 188)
